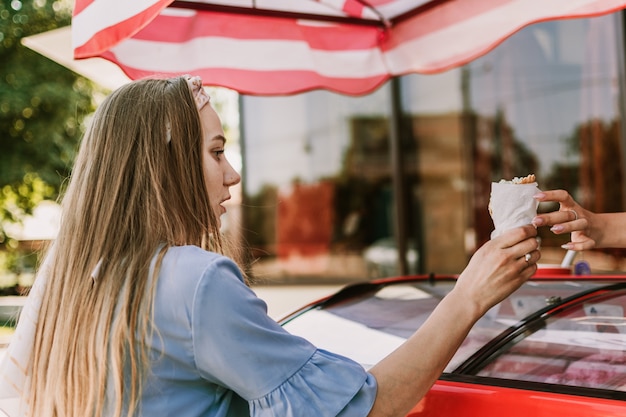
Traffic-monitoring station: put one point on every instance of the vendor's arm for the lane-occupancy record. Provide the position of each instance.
(496, 270)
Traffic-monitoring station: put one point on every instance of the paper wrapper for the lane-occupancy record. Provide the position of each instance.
(512, 205)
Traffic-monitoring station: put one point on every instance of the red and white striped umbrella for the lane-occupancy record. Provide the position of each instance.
(273, 47)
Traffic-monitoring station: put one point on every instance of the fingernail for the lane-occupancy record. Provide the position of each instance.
(567, 246)
(537, 221)
(557, 229)
(539, 196)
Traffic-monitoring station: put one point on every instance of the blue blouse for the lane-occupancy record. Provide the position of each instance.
(216, 352)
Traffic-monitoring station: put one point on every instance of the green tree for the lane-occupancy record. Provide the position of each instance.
(42, 106)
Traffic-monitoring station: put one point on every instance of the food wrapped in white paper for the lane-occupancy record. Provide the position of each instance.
(512, 204)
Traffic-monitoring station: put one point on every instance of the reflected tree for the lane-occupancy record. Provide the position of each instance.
(42, 106)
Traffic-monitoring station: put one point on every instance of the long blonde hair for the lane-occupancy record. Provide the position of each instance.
(137, 185)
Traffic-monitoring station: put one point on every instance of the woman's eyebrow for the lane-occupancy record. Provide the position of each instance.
(219, 137)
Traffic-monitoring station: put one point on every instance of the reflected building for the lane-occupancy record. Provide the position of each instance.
(318, 185)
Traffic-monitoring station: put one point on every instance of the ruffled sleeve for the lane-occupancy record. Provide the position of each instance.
(238, 346)
(327, 385)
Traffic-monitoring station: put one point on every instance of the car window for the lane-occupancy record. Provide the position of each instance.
(368, 327)
(584, 346)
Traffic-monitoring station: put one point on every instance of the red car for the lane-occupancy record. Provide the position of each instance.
(556, 347)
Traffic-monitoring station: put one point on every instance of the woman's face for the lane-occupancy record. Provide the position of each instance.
(219, 175)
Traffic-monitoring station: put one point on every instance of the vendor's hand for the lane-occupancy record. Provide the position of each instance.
(570, 218)
(499, 267)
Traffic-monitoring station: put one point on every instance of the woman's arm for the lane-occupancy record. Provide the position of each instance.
(496, 270)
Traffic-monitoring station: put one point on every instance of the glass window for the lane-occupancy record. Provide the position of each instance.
(547, 101)
(321, 194)
(583, 346)
(368, 327)
(317, 184)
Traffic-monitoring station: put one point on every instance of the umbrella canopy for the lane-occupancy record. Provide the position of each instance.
(277, 47)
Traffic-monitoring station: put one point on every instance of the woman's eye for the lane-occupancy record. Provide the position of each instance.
(218, 153)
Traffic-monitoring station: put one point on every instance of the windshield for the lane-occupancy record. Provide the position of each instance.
(584, 346)
(368, 327)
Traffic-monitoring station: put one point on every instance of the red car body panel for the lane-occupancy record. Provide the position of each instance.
(448, 398)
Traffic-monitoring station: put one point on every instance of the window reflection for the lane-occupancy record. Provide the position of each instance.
(547, 102)
(585, 346)
(318, 182)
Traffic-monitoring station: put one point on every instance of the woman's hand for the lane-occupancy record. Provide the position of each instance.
(499, 267)
(570, 218)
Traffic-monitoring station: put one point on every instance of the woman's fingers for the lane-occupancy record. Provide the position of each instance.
(530, 257)
(517, 235)
(517, 247)
(501, 266)
(522, 248)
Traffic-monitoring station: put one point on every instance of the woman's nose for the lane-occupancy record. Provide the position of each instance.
(231, 177)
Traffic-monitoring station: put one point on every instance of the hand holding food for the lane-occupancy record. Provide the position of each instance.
(500, 266)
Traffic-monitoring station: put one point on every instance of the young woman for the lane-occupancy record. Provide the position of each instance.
(141, 307)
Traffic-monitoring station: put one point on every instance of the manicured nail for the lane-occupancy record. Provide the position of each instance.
(537, 221)
(539, 196)
(557, 228)
(567, 246)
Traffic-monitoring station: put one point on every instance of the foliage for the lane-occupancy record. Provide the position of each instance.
(42, 106)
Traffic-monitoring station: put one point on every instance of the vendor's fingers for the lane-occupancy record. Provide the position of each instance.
(580, 245)
(569, 226)
(570, 214)
(558, 218)
(559, 196)
(567, 208)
